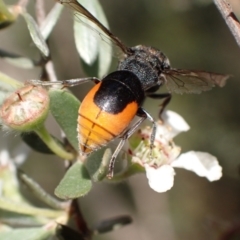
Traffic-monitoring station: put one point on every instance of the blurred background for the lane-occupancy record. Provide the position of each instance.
(194, 36)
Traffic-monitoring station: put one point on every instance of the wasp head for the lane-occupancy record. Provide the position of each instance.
(148, 64)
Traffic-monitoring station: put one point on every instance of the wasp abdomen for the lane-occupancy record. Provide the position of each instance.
(108, 109)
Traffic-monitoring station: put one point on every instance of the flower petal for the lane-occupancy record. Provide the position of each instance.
(173, 125)
(176, 122)
(203, 164)
(160, 179)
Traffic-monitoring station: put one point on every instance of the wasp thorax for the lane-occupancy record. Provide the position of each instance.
(25, 109)
(147, 63)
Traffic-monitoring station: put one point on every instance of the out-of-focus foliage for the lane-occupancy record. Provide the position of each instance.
(194, 36)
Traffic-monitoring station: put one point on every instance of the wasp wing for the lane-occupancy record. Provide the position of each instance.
(76, 6)
(191, 81)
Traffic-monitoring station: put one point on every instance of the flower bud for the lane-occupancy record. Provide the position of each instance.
(25, 109)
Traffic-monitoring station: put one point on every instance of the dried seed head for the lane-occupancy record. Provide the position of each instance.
(25, 109)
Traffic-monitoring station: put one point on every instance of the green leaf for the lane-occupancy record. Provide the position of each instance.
(97, 164)
(36, 34)
(90, 70)
(21, 62)
(75, 183)
(16, 219)
(131, 170)
(51, 20)
(86, 42)
(6, 17)
(40, 193)
(54, 145)
(26, 234)
(18, 60)
(36, 143)
(64, 107)
(9, 182)
(105, 46)
(7, 86)
(90, 40)
(21, 208)
(9, 83)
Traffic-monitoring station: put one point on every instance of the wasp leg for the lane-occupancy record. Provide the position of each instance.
(143, 114)
(154, 127)
(65, 83)
(167, 98)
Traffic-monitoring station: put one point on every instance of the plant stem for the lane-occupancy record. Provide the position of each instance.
(52, 144)
(131, 170)
(40, 12)
(22, 3)
(41, 194)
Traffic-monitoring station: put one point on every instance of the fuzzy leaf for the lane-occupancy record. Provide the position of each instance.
(86, 42)
(7, 86)
(26, 234)
(6, 17)
(40, 193)
(16, 219)
(105, 45)
(21, 62)
(64, 107)
(36, 143)
(97, 164)
(51, 20)
(17, 60)
(22, 208)
(90, 40)
(36, 34)
(75, 183)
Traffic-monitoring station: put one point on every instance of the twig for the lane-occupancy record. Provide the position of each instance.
(22, 3)
(40, 13)
(50, 71)
(231, 20)
(79, 219)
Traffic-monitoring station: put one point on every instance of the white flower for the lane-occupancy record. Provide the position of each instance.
(164, 174)
(159, 163)
(203, 164)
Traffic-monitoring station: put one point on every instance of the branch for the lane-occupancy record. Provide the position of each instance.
(22, 3)
(40, 12)
(230, 18)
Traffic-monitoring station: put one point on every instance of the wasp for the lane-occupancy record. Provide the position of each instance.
(107, 111)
